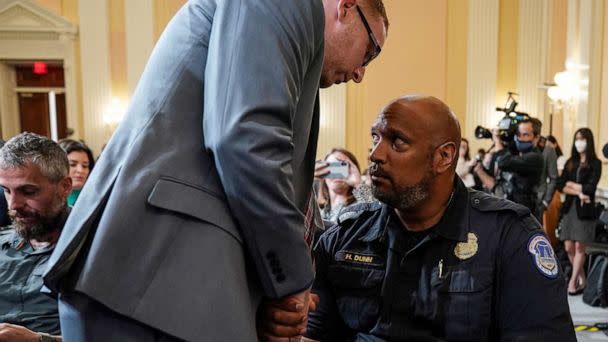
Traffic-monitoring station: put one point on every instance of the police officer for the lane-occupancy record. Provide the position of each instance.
(434, 261)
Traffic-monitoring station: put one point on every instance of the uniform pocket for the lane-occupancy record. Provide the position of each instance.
(464, 300)
(357, 292)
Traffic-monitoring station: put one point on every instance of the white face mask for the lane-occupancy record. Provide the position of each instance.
(580, 145)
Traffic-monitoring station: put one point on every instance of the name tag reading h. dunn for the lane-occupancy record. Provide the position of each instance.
(358, 258)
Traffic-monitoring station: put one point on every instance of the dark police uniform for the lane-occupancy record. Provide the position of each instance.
(485, 272)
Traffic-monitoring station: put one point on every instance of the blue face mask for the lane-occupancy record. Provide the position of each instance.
(523, 146)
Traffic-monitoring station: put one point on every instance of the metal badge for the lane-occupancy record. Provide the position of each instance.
(465, 250)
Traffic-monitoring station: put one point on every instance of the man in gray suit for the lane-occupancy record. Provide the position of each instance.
(195, 211)
(548, 177)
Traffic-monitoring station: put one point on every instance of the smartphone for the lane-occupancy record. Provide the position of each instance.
(337, 170)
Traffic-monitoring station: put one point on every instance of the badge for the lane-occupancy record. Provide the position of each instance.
(465, 250)
(543, 256)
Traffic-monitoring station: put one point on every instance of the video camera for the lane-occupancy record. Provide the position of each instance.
(507, 126)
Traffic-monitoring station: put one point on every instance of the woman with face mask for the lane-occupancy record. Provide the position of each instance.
(579, 182)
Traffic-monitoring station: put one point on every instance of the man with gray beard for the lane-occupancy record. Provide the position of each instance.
(34, 176)
(434, 261)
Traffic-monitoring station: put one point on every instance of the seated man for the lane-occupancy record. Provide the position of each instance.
(34, 176)
(434, 261)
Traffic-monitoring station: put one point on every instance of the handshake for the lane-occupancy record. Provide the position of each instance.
(285, 319)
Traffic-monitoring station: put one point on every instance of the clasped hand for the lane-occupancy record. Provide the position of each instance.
(285, 319)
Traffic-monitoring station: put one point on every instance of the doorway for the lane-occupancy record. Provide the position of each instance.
(41, 98)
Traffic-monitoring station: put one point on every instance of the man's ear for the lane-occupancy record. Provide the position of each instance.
(345, 8)
(65, 186)
(445, 156)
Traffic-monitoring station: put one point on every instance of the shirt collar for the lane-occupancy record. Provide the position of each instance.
(454, 224)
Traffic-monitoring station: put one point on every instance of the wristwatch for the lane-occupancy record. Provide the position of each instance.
(45, 337)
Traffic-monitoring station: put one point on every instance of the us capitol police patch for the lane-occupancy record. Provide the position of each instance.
(543, 256)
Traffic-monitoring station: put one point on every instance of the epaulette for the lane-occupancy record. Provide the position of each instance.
(353, 211)
(486, 202)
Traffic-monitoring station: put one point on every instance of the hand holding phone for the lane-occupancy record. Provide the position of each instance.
(337, 170)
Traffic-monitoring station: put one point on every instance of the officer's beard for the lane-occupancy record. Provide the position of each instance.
(407, 197)
(45, 223)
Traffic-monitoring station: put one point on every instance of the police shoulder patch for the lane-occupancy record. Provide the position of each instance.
(543, 256)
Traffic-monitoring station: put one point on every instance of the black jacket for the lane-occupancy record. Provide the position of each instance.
(526, 170)
(589, 177)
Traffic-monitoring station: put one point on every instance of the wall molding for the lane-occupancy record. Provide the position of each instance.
(533, 42)
(482, 65)
(95, 59)
(139, 29)
(332, 128)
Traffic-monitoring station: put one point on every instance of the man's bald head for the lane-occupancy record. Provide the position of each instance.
(415, 150)
(429, 116)
(434, 116)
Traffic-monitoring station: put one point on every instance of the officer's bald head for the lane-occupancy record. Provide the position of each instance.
(415, 150)
(427, 116)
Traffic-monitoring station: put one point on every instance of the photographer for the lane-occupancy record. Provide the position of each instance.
(517, 169)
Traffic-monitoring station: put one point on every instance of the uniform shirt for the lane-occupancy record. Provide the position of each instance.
(21, 301)
(485, 272)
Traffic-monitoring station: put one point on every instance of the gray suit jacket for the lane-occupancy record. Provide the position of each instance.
(548, 178)
(195, 208)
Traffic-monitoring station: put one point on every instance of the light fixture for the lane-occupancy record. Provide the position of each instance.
(114, 112)
(556, 93)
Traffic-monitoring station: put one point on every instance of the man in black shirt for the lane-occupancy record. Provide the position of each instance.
(434, 261)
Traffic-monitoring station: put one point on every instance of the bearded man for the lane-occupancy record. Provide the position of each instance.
(34, 173)
(434, 261)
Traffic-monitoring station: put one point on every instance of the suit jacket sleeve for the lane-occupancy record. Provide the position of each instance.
(551, 174)
(563, 179)
(260, 53)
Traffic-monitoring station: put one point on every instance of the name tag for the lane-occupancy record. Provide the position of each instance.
(358, 258)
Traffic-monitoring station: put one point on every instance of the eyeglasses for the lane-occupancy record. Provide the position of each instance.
(370, 56)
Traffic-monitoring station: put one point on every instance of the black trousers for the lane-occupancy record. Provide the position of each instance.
(86, 320)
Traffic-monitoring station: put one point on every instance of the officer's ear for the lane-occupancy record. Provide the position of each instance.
(445, 157)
